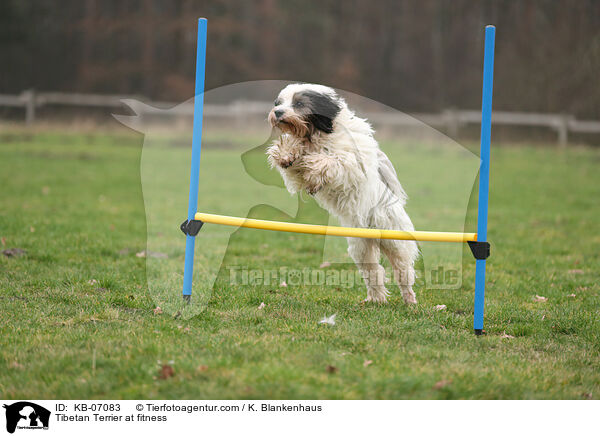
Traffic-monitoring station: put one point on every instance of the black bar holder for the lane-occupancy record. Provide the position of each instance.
(191, 228)
(480, 249)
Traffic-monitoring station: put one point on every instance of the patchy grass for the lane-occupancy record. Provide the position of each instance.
(74, 203)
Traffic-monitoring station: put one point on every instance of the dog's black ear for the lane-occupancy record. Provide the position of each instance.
(323, 110)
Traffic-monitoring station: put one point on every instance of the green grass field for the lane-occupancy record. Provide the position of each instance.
(74, 203)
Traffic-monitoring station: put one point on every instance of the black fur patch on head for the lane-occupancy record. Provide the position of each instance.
(317, 109)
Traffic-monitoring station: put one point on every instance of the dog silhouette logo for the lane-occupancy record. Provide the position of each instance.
(26, 415)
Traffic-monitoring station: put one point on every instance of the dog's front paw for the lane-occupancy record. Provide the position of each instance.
(285, 151)
(313, 188)
(279, 157)
(313, 180)
(318, 171)
(287, 161)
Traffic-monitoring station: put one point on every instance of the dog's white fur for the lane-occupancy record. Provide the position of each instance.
(349, 176)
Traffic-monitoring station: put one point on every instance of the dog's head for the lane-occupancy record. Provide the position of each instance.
(304, 109)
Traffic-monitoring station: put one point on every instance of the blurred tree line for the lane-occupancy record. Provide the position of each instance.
(413, 55)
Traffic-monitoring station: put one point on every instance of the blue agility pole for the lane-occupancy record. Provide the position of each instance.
(190, 240)
(484, 175)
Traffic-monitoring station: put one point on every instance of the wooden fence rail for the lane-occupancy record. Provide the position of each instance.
(450, 119)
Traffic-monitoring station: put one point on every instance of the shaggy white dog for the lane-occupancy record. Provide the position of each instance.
(330, 153)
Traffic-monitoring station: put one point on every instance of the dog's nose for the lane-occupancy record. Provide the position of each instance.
(278, 113)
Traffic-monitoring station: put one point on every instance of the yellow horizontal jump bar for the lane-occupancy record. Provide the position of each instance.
(335, 231)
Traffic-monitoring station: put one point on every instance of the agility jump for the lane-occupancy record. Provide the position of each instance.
(477, 241)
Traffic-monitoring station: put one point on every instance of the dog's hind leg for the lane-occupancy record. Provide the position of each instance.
(402, 256)
(366, 255)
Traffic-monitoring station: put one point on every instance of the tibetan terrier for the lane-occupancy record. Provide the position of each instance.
(329, 152)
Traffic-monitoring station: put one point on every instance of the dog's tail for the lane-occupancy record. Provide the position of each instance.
(390, 180)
